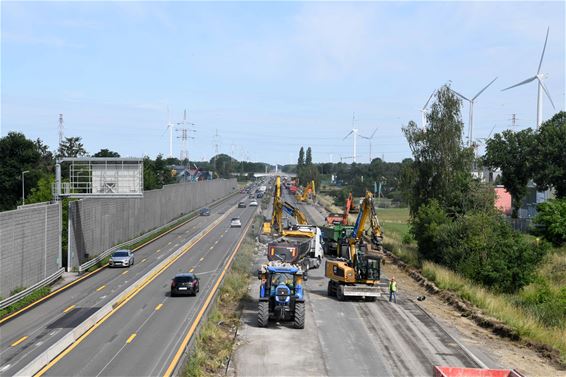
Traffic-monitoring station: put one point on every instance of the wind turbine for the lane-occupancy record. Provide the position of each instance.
(170, 128)
(472, 101)
(370, 139)
(424, 110)
(355, 132)
(539, 77)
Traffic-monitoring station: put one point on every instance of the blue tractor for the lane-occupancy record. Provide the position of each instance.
(281, 294)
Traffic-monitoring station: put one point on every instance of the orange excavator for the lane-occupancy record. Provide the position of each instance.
(341, 218)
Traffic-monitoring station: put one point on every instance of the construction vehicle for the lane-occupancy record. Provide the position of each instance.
(341, 218)
(331, 236)
(281, 294)
(308, 193)
(356, 270)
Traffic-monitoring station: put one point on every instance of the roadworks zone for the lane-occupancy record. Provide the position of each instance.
(211, 352)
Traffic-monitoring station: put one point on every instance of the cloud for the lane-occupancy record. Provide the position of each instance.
(45, 40)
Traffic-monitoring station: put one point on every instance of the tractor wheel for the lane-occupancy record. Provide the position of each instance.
(331, 289)
(263, 314)
(299, 315)
(340, 292)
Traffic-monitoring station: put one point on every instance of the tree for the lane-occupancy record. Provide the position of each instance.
(301, 160)
(42, 191)
(17, 154)
(106, 153)
(551, 221)
(548, 155)
(308, 159)
(511, 152)
(441, 163)
(71, 147)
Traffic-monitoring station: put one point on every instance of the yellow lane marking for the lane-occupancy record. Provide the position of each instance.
(158, 306)
(131, 338)
(19, 341)
(196, 322)
(169, 243)
(119, 305)
(59, 290)
(158, 250)
(69, 309)
(100, 288)
(201, 259)
(212, 247)
(125, 272)
(143, 260)
(191, 270)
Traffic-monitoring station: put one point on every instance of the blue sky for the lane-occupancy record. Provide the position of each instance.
(269, 77)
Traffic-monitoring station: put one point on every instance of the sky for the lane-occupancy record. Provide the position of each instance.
(269, 77)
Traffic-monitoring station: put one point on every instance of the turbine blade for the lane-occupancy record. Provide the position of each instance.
(349, 133)
(481, 91)
(363, 137)
(521, 83)
(543, 49)
(429, 98)
(459, 95)
(547, 93)
(373, 133)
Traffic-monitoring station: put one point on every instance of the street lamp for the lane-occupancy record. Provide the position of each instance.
(23, 187)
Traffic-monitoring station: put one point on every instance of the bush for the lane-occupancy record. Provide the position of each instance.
(551, 221)
(479, 245)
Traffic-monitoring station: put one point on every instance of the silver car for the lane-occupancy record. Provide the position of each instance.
(235, 223)
(121, 258)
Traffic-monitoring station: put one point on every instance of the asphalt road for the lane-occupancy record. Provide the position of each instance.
(350, 338)
(142, 337)
(32, 332)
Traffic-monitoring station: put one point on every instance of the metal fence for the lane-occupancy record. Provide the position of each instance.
(96, 225)
(30, 244)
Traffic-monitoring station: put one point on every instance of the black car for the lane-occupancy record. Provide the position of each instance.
(184, 284)
(205, 212)
(242, 205)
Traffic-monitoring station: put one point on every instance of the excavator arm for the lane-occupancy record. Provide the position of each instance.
(295, 212)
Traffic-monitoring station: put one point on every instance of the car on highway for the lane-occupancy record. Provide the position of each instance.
(242, 204)
(251, 196)
(205, 212)
(121, 258)
(253, 203)
(184, 284)
(259, 195)
(235, 222)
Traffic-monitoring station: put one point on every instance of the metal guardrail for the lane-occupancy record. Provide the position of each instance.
(18, 296)
(85, 266)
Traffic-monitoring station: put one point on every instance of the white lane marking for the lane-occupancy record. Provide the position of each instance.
(5, 367)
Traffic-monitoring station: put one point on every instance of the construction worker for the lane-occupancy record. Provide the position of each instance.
(393, 290)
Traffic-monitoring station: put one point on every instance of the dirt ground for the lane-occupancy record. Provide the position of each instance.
(503, 351)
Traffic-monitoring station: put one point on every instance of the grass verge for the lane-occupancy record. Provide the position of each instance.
(34, 296)
(528, 324)
(215, 340)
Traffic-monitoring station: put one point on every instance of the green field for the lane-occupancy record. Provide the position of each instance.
(394, 221)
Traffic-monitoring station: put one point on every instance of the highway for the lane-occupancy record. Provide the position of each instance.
(26, 336)
(349, 338)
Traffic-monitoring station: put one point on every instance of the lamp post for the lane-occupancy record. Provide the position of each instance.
(24, 186)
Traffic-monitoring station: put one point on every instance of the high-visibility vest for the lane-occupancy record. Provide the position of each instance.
(393, 286)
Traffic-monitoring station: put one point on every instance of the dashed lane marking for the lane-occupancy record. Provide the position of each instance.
(131, 338)
(158, 306)
(100, 288)
(69, 309)
(19, 341)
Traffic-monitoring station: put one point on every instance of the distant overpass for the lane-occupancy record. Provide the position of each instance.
(269, 174)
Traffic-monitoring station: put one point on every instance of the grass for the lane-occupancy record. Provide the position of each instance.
(527, 323)
(215, 340)
(34, 296)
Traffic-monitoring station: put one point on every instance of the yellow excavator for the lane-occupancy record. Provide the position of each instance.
(275, 225)
(308, 192)
(356, 270)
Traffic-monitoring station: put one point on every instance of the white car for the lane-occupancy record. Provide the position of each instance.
(253, 203)
(235, 222)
